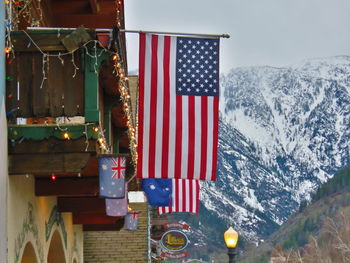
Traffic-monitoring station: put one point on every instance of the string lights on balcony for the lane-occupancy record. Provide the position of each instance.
(24, 9)
(124, 89)
(125, 98)
(28, 10)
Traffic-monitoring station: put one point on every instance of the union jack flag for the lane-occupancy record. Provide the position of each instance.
(119, 166)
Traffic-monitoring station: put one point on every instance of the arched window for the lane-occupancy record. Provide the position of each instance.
(29, 254)
(56, 251)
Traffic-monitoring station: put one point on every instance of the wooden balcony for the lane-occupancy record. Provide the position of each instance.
(49, 86)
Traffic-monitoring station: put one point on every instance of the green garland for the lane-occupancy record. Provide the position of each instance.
(42, 132)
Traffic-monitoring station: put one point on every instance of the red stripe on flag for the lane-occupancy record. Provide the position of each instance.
(204, 137)
(196, 196)
(141, 103)
(178, 137)
(153, 108)
(216, 137)
(191, 194)
(191, 136)
(166, 107)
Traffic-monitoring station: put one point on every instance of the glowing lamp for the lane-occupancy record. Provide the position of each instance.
(66, 136)
(231, 237)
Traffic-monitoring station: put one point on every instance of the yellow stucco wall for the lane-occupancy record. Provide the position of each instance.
(35, 219)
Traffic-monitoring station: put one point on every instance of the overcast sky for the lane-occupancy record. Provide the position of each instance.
(263, 32)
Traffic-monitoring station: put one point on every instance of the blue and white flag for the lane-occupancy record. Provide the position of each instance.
(112, 176)
(158, 191)
(131, 220)
(117, 207)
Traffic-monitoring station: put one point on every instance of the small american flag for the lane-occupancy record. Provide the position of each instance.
(185, 197)
(178, 107)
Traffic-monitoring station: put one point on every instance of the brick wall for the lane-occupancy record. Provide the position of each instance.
(118, 246)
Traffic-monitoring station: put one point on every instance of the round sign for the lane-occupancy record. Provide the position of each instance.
(174, 240)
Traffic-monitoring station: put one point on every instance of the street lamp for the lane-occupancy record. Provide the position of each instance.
(231, 238)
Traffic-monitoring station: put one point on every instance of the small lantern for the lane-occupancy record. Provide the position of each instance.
(231, 237)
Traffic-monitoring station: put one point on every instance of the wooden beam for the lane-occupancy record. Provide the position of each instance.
(81, 204)
(88, 21)
(71, 7)
(95, 7)
(46, 42)
(47, 163)
(54, 145)
(94, 219)
(73, 186)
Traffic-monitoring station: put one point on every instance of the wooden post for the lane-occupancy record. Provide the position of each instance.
(92, 68)
(3, 143)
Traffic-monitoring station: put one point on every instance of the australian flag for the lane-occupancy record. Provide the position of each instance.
(117, 207)
(158, 191)
(112, 176)
(131, 220)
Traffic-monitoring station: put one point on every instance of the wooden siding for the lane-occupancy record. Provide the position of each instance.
(30, 95)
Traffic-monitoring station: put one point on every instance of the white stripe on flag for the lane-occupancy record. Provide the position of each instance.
(172, 117)
(184, 142)
(147, 103)
(198, 136)
(160, 106)
(210, 138)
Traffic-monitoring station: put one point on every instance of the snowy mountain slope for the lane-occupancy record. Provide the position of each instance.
(283, 131)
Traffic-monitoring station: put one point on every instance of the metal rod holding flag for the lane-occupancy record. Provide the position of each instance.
(176, 33)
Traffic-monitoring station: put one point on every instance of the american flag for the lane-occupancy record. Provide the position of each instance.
(185, 197)
(178, 107)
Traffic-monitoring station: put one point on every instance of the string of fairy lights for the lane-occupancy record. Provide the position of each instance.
(31, 12)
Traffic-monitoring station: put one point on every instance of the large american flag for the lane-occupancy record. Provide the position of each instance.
(185, 197)
(178, 107)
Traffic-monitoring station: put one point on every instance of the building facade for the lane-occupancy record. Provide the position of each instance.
(65, 101)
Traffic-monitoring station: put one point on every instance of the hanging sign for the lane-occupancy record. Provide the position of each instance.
(174, 255)
(176, 225)
(174, 240)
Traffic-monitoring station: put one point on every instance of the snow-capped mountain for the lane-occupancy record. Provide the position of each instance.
(283, 132)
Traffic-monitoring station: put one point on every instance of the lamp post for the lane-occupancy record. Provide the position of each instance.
(231, 239)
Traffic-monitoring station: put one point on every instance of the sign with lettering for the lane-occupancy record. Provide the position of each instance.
(174, 255)
(174, 240)
(176, 225)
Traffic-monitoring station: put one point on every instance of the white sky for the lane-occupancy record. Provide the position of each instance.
(263, 32)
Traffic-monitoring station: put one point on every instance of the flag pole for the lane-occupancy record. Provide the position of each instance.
(176, 33)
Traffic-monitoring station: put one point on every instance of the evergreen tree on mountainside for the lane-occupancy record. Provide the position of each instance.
(340, 182)
(324, 222)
